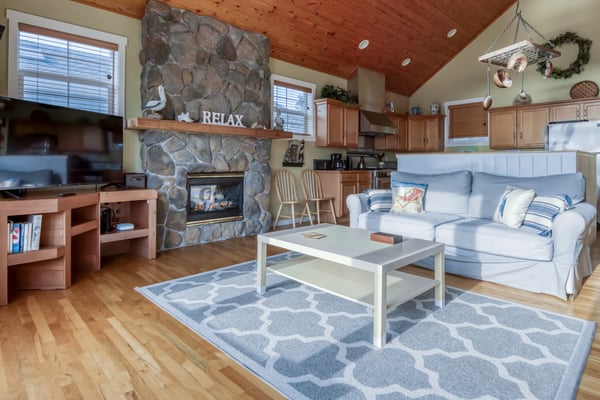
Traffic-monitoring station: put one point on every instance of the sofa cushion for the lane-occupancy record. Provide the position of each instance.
(379, 200)
(446, 193)
(420, 226)
(407, 197)
(542, 211)
(487, 236)
(488, 188)
(513, 206)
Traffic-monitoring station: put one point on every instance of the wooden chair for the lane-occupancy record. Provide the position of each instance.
(285, 187)
(311, 185)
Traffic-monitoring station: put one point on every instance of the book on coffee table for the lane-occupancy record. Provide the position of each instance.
(314, 235)
(386, 237)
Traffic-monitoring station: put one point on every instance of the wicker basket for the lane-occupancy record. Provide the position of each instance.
(583, 89)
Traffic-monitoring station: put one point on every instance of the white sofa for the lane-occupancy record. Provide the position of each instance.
(459, 207)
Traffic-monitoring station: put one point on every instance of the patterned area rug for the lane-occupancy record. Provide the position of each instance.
(309, 344)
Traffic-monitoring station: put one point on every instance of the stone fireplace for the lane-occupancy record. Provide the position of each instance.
(204, 65)
(168, 158)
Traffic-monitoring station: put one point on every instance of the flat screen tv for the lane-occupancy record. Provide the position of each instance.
(44, 145)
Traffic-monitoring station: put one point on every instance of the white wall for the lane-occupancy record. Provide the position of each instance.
(464, 77)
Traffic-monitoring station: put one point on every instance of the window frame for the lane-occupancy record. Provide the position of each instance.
(309, 136)
(16, 17)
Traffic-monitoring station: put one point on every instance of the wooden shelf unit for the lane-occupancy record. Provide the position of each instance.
(70, 236)
(67, 223)
(139, 208)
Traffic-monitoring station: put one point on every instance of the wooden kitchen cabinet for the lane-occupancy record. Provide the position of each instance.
(426, 132)
(574, 111)
(341, 184)
(336, 124)
(397, 142)
(521, 128)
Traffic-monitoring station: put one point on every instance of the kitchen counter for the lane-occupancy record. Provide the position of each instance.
(340, 184)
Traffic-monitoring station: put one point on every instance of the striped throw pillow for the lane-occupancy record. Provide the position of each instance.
(543, 210)
(379, 200)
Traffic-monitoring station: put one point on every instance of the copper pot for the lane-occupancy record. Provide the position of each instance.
(502, 79)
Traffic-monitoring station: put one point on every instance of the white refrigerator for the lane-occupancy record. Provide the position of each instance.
(581, 136)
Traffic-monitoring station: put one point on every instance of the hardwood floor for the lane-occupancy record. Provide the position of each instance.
(102, 340)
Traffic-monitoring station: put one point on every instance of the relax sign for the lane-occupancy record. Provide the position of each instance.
(216, 118)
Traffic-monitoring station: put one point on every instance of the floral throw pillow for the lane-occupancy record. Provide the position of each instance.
(408, 197)
(513, 206)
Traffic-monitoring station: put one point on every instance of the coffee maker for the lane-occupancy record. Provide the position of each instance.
(336, 161)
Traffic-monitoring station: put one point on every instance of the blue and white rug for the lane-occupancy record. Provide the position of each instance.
(312, 345)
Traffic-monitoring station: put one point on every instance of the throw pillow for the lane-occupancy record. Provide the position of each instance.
(542, 211)
(513, 206)
(379, 200)
(408, 197)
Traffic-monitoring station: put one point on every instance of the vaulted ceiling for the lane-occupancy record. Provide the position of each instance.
(324, 34)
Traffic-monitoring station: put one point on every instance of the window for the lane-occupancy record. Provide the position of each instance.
(67, 65)
(293, 99)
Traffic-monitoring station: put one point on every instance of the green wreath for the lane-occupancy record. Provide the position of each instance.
(576, 67)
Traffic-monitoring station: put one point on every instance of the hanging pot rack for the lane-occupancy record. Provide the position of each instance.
(534, 53)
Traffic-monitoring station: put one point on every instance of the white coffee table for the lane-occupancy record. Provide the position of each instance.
(348, 264)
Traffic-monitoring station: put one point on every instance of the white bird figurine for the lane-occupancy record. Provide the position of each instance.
(157, 105)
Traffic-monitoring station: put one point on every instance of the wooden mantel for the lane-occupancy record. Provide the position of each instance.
(204, 129)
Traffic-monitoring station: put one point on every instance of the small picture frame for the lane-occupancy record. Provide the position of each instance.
(294, 156)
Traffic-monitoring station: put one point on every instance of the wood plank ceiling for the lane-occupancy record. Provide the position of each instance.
(324, 35)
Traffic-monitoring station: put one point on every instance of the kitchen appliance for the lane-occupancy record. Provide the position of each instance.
(322, 164)
(336, 161)
(361, 163)
(369, 86)
(381, 179)
(580, 136)
(381, 171)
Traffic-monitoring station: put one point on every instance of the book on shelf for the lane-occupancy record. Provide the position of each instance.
(9, 236)
(16, 237)
(24, 235)
(36, 230)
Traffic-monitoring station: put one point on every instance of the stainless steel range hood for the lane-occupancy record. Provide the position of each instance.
(370, 88)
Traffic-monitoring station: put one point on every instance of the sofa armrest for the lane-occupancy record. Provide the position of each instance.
(572, 233)
(570, 230)
(357, 204)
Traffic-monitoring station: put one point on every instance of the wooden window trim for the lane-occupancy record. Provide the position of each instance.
(38, 30)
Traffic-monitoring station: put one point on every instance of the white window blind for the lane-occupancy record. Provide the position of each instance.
(68, 70)
(295, 102)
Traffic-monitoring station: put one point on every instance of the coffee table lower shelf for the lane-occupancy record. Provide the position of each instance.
(350, 283)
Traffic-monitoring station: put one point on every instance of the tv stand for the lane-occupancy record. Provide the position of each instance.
(70, 236)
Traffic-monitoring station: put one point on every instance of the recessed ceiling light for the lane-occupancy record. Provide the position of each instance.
(363, 44)
(406, 61)
(452, 32)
